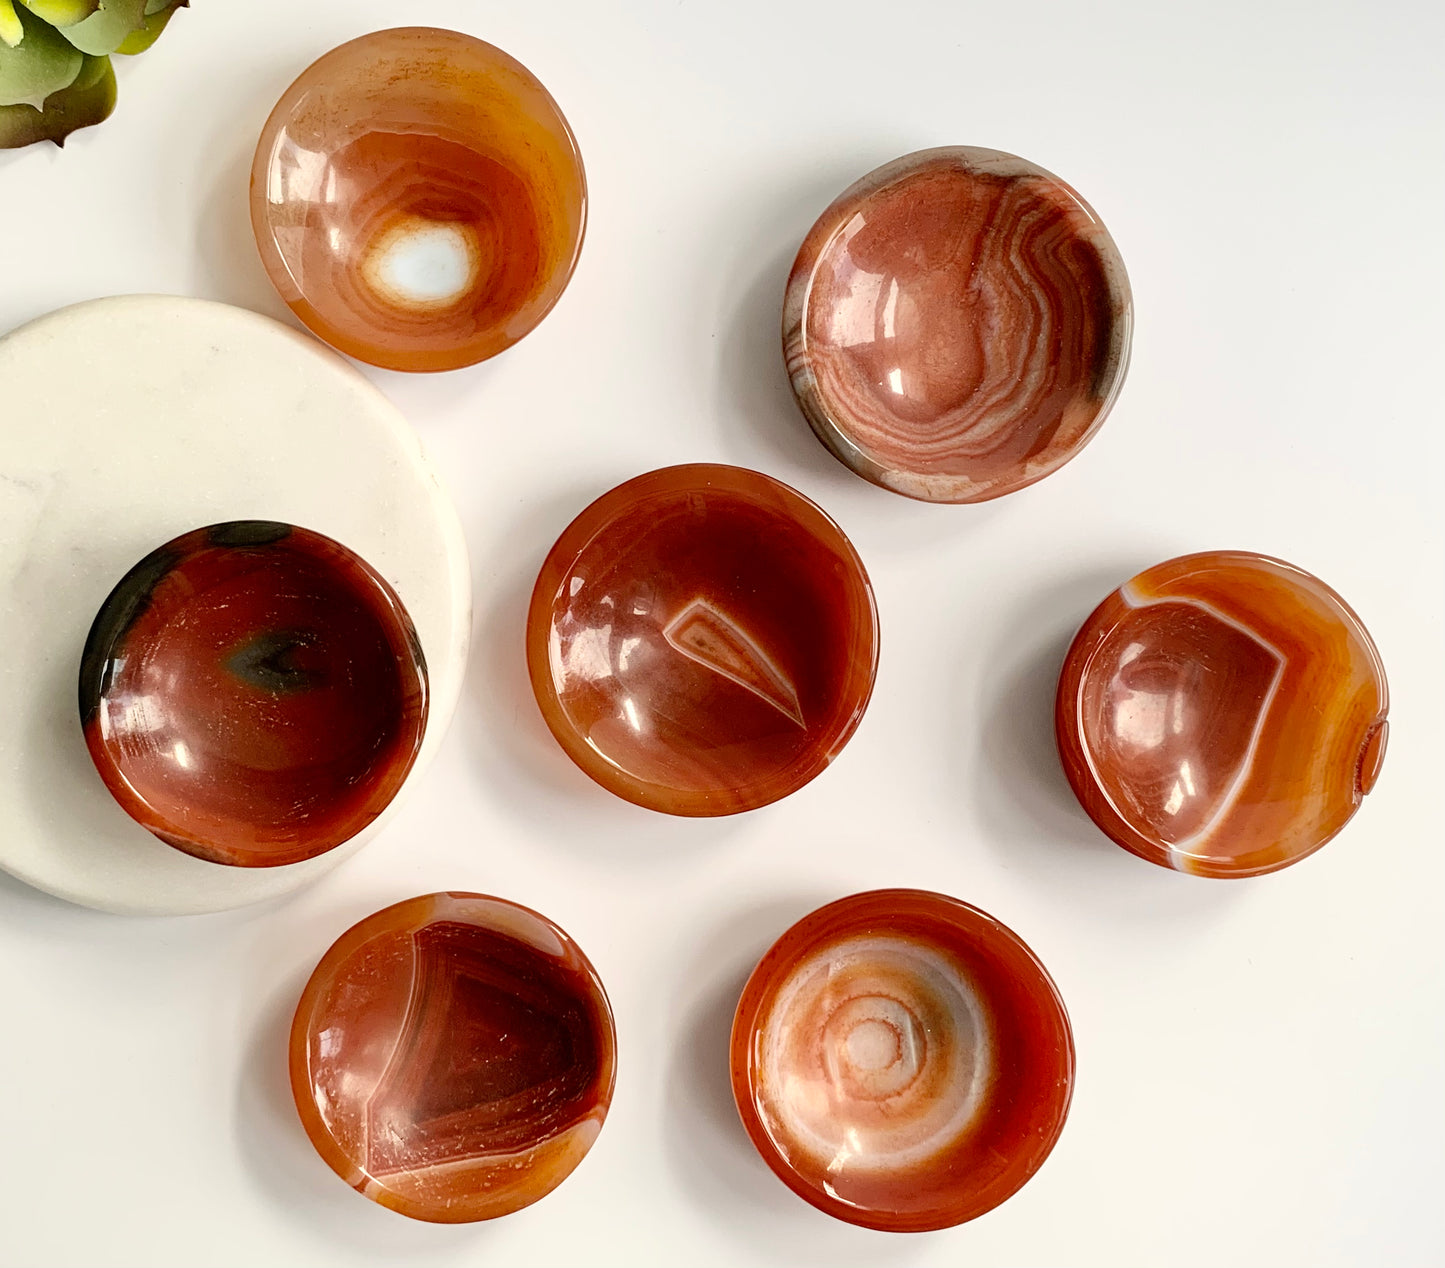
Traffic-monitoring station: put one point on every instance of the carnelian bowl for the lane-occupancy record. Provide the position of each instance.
(902, 1060)
(418, 199)
(253, 693)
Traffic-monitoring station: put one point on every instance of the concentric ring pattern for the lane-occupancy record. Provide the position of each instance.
(902, 1060)
(875, 1054)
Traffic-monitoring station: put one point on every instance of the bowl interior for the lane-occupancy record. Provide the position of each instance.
(253, 693)
(702, 640)
(453, 1057)
(902, 1061)
(957, 324)
(418, 199)
(1229, 713)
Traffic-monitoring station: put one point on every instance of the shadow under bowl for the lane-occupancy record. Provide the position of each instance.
(1222, 714)
(453, 1057)
(957, 324)
(902, 1061)
(702, 640)
(418, 199)
(253, 693)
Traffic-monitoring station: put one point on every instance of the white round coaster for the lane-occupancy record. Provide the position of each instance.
(126, 422)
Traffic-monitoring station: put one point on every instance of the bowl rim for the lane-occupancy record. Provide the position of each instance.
(772, 971)
(594, 520)
(124, 603)
(834, 429)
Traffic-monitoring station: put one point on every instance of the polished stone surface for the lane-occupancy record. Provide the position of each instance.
(702, 640)
(902, 1060)
(187, 413)
(418, 199)
(1222, 714)
(453, 1057)
(253, 693)
(957, 324)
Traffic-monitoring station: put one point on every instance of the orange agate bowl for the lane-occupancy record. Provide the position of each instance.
(453, 1057)
(1223, 714)
(902, 1060)
(702, 640)
(253, 693)
(418, 199)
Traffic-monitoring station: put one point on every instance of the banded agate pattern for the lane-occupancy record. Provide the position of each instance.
(418, 199)
(957, 324)
(702, 640)
(874, 1053)
(902, 1061)
(253, 693)
(1223, 714)
(453, 1057)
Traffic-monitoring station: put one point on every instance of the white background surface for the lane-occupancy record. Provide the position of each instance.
(1260, 1062)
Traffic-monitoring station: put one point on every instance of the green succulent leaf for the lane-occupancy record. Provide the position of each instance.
(149, 31)
(62, 12)
(88, 100)
(106, 30)
(41, 63)
(155, 6)
(11, 32)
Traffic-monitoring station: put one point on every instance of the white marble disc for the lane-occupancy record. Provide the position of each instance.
(126, 422)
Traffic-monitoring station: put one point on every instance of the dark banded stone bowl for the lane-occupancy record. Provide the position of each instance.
(253, 693)
(957, 325)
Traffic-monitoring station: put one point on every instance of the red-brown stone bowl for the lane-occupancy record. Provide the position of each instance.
(957, 324)
(253, 693)
(702, 640)
(453, 1057)
(418, 199)
(1222, 714)
(902, 1061)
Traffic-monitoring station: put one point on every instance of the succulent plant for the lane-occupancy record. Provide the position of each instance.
(55, 71)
